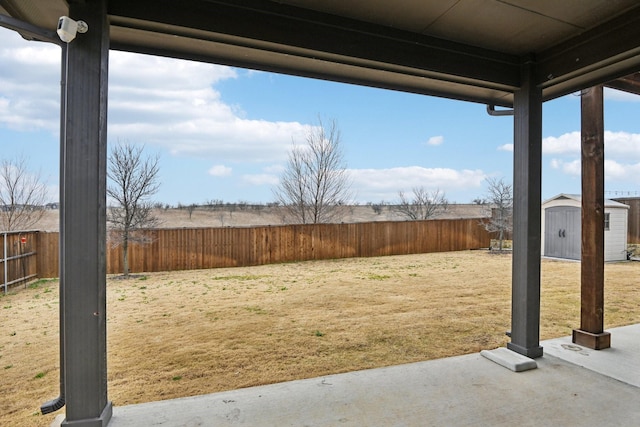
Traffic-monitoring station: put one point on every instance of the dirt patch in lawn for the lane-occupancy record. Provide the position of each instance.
(194, 332)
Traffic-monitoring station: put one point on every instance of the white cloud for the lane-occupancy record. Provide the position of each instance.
(158, 101)
(261, 179)
(173, 104)
(29, 84)
(613, 170)
(568, 167)
(436, 140)
(623, 144)
(616, 143)
(616, 171)
(270, 176)
(165, 74)
(384, 184)
(568, 143)
(621, 150)
(220, 170)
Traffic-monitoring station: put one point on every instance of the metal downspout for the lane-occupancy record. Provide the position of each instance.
(491, 110)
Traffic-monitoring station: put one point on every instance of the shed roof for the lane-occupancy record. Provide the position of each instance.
(577, 199)
(461, 49)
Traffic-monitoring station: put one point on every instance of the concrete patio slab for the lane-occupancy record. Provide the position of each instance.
(621, 361)
(458, 391)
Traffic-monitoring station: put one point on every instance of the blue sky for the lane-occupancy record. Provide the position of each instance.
(224, 133)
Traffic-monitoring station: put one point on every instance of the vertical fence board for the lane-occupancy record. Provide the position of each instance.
(47, 254)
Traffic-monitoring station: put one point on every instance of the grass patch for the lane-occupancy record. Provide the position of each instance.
(256, 310)
(378, 277)
(240, 278)
(36, 284)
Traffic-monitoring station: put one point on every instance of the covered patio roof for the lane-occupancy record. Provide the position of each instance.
(461, 49)
(509, 53)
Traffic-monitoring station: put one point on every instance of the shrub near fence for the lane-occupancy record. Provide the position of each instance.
(197, 248)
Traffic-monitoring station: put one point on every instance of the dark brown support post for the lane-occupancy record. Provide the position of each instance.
(527, 184)
(591, 333)
(83, 221)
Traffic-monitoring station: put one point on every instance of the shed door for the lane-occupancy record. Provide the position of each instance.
(562, 232)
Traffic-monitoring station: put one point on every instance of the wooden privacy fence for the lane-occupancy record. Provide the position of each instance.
(633, 234)
(18, 257)
(196, 248)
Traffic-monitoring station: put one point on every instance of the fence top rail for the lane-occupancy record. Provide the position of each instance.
(479, 219)
(19, 232)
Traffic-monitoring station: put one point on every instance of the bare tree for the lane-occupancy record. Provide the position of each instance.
(133, 179)
(500, 198)
(424, 205)
(315, 181)
(190, 208)
(378, 207)
(479, 201)
(22, 196)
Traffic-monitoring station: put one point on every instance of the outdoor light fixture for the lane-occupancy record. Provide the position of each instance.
(68, 28)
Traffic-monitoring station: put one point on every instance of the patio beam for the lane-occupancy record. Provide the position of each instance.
(527, 182)
(630, 84)
(300, 32)
(83, 222)
(591, 333)
(596, 56)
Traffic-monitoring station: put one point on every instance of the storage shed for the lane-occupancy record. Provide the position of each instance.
(561, 237)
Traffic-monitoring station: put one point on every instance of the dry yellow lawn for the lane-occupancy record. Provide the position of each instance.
(186, 333)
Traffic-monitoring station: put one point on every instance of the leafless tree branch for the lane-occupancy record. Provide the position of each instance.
(315, 181)
(22, 196)
(500, 198)
(424, 205)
